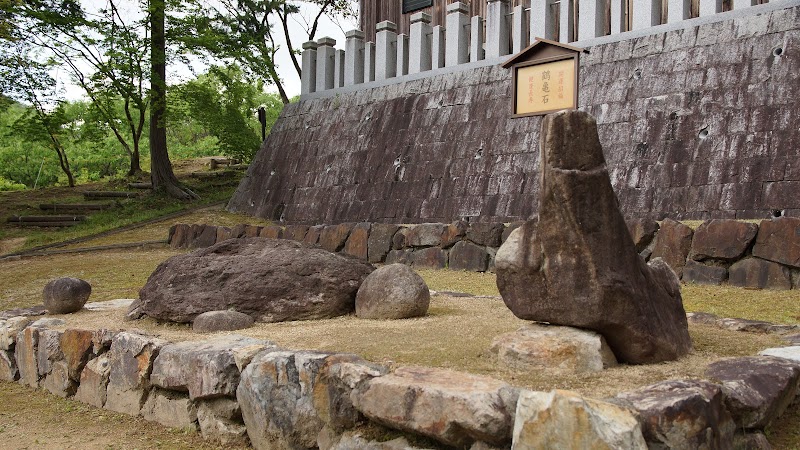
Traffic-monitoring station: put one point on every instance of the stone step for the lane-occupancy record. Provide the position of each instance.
(76, 207)
(109, 194)
(48, 224)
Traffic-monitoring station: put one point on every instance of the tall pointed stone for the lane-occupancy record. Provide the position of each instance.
(577, 265)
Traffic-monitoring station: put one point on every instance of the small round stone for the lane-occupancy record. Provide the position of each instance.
(66, 295)
(393, 291)
(211, 321)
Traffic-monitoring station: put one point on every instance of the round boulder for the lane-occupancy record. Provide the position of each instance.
(393, 291)
(212, 321)
(66, 295)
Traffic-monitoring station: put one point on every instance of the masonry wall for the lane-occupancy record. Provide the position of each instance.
(696, 123)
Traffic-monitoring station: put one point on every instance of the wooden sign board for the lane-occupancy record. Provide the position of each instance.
(545, 78)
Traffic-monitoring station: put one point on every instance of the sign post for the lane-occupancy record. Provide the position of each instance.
(545, 78)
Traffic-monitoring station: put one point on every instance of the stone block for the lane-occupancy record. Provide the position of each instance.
(57, 380)
(468, 256)
(131, 360)
(699, 273)
(295, 232)
(8, 366)
(642, 232)
(399, 257)
(170, 409)
(722, 239)
(425, 235)
(223, 233)
(487, 234)
(757, 389)
(27, 343)
(94, 382)
(333, 237)
(682, 414)
(778, 240)
(313, 234)
(358, 241)
(9, 329)
(379, 242)
(756, 273)
(430, 258)
(206, 238)
(535, 346)
(457, 409)
(284, 400)
(205, 369)
(271, 232)
(564, 419)
(220, 420)
(673, 243)
(76, 347)
(454, 233)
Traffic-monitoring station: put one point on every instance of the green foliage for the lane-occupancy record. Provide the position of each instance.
(224, 104)
(8, 185)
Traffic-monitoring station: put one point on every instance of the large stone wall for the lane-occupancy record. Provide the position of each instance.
(743, 254)
(696, 123)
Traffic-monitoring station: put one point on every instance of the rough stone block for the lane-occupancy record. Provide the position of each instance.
(220, 420)
(431, 258)
(206, 238)
(425, 235)
(535, 346)
(778, 240)
(57, 380)
(379, 242)
(9, 329)
(271, 232)
(468, 256)
(76, 347)
(94, 382)
(8, 366)
(673, 243)
(170, 409)
(722, 239)
(453, 233)
(457, 409)
(487, 234)
(25, 354)
(358, 241)
(756, 273)
(564, 419)
(699, 273)
(682, 414)
(642, 232)
(131, 358)
(757, 389)
(333, 237)
(205, 369)
(313, 234)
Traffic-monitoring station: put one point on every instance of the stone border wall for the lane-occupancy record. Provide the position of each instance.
(234, 388)
(765, 255)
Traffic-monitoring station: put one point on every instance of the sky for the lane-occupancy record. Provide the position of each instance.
(175, 73)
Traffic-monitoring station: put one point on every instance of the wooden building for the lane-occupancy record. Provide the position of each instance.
(400, 11)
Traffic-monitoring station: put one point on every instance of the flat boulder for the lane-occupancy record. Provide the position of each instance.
(394, 291)
(757, 389)
(722, 239)
(682, 414)
(576, 265)
(271, 280)
(212, 321)
(66, 295)
(457, 409)
(535, 346)
(778, 240)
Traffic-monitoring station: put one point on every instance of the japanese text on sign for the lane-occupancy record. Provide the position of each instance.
(546, 87)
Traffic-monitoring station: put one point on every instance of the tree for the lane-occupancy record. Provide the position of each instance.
(104, 53)
(243, 31)
(161, 174)
(23, 77)
(224, 103)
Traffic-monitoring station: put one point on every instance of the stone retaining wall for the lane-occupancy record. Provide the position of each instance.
(765, 255)
(695, 123)
(234, 389)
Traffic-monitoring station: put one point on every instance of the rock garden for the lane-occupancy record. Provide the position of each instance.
(281, 343)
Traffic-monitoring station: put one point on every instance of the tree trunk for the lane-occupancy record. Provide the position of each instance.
(161, 174)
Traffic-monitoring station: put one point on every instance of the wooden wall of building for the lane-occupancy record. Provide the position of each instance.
(374, 11)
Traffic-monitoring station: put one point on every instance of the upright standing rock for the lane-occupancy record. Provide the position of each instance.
(577, 265)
